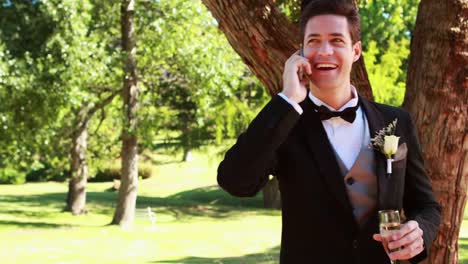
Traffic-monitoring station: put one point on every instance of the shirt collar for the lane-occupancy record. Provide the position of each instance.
(351, 103)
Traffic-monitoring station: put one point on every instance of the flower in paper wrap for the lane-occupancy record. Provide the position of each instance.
(390, 145)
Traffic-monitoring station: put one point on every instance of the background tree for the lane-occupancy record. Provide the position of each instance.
(125, 212)
(27, 108)
(195, 89)
(437, 96)
(78, 65)
(74, 83)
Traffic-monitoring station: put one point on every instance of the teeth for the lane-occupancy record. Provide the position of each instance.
(325, 65)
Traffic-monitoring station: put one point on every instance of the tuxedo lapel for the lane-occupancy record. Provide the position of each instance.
(376, 123)
(323, 153)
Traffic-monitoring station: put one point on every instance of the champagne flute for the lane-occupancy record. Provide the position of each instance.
(389, 224)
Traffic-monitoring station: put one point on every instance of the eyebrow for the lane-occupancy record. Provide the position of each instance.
(331, 34)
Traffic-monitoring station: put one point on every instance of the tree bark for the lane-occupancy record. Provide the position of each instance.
(272, 195)
(76, 197)
(76, 200)
(437, 96)
(125, 212)
(265, 38)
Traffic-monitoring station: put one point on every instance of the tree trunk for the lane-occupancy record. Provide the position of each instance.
(265, 39)
(271, 195)
(76, 197)
(436, 96)
(76, 200)
(125, 211)
(187, 155)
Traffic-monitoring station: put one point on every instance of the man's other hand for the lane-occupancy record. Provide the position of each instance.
(409, 241)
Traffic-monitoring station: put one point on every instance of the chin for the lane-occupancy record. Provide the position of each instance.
(324, 86)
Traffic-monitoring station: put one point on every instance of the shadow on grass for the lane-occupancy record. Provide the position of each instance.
(208, 201)
(32, 224)
(269, 257)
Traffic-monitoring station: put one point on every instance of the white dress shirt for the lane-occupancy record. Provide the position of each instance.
(346, 138)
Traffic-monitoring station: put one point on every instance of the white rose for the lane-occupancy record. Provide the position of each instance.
(390, 145)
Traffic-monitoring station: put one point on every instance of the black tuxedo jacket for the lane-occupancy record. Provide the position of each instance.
(317, 217)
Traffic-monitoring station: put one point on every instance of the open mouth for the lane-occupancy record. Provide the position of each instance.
(325, 66)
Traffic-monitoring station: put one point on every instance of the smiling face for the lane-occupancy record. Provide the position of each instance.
(329, 49)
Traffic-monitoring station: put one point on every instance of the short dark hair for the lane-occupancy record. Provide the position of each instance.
(345, 8)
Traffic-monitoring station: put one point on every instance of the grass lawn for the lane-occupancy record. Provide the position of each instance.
(196, 222)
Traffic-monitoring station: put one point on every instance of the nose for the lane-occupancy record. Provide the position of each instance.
(325, 49)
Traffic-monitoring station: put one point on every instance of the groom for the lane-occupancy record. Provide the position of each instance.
(314, 137)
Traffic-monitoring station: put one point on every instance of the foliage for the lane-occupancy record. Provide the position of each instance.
(385, 77)
(114, 171)
(192, 77)
(386, 21)
(48, 79)
(291, 8)
(43, 171)
(58, 57)
(11, 176)
(386, 31)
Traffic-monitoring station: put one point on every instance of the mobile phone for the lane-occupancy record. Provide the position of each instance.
(301, 70)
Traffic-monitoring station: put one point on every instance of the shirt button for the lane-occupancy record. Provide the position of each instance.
(350, 181)
(355, 244)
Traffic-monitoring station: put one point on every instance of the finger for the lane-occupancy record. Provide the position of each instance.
(407, 239)
(408, 251)
(305, 65)
(377, 237)
(405, 229)
(308, 68)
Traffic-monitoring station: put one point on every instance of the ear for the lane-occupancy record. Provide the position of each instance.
(357, 49)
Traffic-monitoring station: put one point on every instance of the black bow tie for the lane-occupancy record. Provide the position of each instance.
(348, 114)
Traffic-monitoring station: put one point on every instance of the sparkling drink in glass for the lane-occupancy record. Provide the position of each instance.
(389, 223)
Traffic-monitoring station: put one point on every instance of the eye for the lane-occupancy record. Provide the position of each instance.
(313, 41)
(337, 40)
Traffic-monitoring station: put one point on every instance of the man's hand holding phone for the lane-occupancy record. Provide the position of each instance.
(296, 69)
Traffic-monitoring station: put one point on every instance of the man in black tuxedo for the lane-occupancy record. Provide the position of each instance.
(314, 137)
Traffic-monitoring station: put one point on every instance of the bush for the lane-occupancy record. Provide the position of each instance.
(38, 175)
(11, 176)
(47, 173)
(145, 171)
(111, 173)
(59, 176)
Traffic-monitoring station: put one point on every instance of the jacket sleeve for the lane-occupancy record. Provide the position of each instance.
(419, 200)
(248, 164)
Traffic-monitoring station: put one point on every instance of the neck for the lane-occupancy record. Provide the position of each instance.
(335, 98)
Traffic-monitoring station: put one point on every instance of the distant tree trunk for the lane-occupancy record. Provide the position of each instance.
(76, 200)
(76, 197)
(271, 195)
(187, 154)
(187, 143)
(265, 38)
(125, 211)
(437, 96)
